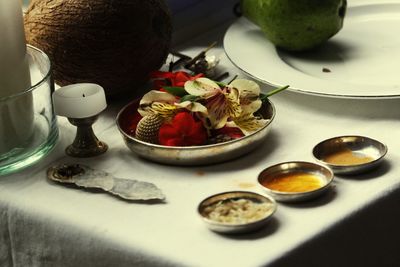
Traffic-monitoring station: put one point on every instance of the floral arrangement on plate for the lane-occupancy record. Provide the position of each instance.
(186, 110)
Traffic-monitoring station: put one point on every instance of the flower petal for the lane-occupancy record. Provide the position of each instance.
(217, 111)
(165, 110)
(197, 135)
(157, 96)
(233, 132)
(147, 103)
(192, 106)
(180, 78)
(249, 124)
(233, 108)
(183, 122)
(183, 130)
(202, 87)
(249, 92)
(251, 107)
(247, 88)
(161, 74)
(169, 136)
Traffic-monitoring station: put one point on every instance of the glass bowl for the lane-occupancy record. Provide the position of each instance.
(28, 126)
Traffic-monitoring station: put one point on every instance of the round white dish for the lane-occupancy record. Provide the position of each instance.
(359, 62)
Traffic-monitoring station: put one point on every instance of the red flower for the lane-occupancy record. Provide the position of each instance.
(184, 130)
(133, 122)
(182, 77)
(178, 79)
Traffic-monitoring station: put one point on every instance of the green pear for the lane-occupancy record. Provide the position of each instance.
(296, 25)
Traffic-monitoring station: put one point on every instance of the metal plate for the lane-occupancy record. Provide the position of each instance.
(194, 155)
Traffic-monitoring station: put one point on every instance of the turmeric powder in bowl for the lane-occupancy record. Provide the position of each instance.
(295, 181)
(351, 154)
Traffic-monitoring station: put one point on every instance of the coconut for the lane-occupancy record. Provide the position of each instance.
(112, 43)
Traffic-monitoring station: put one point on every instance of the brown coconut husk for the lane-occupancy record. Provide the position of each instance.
(114, 43)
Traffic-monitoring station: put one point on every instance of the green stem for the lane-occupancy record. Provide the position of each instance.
(273, 92)
(234, 78)
(220, 84)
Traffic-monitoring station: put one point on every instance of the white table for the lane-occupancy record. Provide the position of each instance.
(354, 224)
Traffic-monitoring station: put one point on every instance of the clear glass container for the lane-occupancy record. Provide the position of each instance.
(28, 125)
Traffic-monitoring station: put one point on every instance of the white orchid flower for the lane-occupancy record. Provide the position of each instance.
(235, 102)
(249, 97)
(157, 102)
(202, 87)
(166, 105)
(192, 106)
(248, 124)
(221, 103)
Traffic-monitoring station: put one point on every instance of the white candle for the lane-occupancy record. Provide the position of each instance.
(81, 100)
(14, 68)
(16, 113)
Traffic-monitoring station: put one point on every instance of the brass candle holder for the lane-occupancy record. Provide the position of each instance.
(82, 104)
(85, 144)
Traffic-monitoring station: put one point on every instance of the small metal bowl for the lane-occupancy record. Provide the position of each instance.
(233, 228)
(193, 155)
(289, 171)
(350, 154)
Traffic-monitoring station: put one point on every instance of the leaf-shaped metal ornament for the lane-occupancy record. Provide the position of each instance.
(84, 176)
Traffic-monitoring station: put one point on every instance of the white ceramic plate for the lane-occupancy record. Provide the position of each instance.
(363, 59)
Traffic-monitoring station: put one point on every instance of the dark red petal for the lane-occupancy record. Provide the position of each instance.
(157, 84)
(179, 84)
(182, 76)
(174, 142)
(131, 123)
(183, 131)
(161, 74)
(183, 122)
(180, 79)
(233, 132)
(167, 132)
(197, 135)
(199, 138)
(197, 76)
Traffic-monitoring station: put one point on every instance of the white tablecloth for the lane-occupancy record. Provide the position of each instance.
(354, 224)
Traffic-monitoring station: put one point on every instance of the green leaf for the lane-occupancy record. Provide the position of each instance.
(191, 98)
(176, 91)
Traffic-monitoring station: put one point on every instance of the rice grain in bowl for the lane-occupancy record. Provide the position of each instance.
(236, 211)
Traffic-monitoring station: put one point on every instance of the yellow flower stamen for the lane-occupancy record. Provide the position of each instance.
(165, 110)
